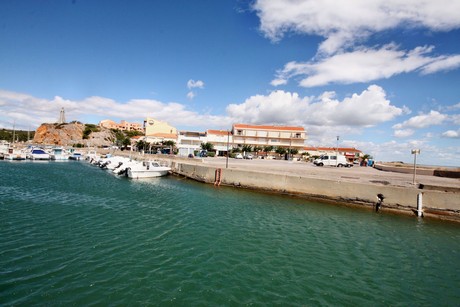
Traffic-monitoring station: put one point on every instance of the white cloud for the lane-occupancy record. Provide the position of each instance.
(455, 119)
(422, 121)
(441, 64)
(403, 133)
(191, 84)
(452, 134)
(28, 111)
(364, 65)
(190, 95)
(366, 109)
(342, 23)
(195, 84)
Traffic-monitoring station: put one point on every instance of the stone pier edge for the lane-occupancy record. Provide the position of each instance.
(400, 200)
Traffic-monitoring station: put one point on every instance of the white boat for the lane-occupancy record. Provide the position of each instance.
(38, 154)
(111, 162)
(91, 155)
(14, 154)
(147, 169)
(76, 156)
(58, 153)
(122, 167)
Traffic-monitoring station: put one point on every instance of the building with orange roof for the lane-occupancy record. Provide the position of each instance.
(157, 131)
(221, 139)
(189, 141)
(123, 125)
(268, 135)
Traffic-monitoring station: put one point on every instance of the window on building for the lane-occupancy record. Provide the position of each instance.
(298, 135)
(239, 132)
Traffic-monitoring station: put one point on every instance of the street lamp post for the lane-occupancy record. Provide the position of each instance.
(415, 152)
(228, 141)
(337, 151)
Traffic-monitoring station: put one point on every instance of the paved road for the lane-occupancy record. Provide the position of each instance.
(353, 174)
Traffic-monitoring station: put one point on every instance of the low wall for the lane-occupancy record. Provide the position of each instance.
(402, 199)
(406, 169)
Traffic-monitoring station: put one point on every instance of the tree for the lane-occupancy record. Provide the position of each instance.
(126, 142)
(169, 143)
(280, 150)
(89, 128)
(207, 146)
(268, 148)
(141, 145)
(247, 148)
(133, 133)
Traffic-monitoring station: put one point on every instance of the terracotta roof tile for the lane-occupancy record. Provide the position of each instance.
(268, 127)
(217, 132)
(164, 135)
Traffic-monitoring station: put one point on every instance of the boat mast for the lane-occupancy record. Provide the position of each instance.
(14, 127)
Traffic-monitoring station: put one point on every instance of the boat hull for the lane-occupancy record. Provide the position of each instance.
(137, 174)
(15, 157)
(39, 157)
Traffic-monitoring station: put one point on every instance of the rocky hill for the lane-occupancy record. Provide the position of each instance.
(73, 133)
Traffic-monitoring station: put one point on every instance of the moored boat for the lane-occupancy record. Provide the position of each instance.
(38, 154)
(147, 169)
(58, 153)
(14, 154)
(76, 156)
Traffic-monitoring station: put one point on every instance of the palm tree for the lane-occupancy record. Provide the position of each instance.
(268, 148)
(140, 145)
(247, 148)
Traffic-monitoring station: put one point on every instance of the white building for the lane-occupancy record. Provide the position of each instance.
(264, 135)
(222, 140)
(189, 141)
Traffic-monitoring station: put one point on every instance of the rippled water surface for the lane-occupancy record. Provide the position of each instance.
(73, 234)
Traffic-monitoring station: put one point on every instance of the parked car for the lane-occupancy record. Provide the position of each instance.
(239, 156)
(203, 153)
(332, 160)
(249, 156)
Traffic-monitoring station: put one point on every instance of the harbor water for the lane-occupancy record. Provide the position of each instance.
(72, 234)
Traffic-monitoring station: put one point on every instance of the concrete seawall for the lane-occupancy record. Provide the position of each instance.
(352, 187)
(438, 204)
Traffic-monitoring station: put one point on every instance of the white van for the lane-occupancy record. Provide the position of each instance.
(332, 160)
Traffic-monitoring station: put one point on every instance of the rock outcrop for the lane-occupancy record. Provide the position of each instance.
(71, 134)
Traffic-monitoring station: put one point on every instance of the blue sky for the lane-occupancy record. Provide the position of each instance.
(383, 75)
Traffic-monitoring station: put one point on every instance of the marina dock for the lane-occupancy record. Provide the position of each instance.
(367, 187)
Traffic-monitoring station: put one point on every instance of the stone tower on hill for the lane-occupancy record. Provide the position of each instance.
(62, 117)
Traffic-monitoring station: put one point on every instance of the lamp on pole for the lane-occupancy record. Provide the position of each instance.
(337, 151)
(415, 152)
(228, 141)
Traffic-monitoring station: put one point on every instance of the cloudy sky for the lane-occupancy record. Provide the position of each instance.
(383, 75)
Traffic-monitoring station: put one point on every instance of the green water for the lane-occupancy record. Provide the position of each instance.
(71, 233)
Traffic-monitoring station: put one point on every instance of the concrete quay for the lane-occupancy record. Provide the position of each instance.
(356, 186)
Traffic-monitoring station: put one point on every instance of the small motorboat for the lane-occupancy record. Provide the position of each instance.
(76, 156)
(14, 154)
(147, 169)
(38, 154)
(59, 153)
